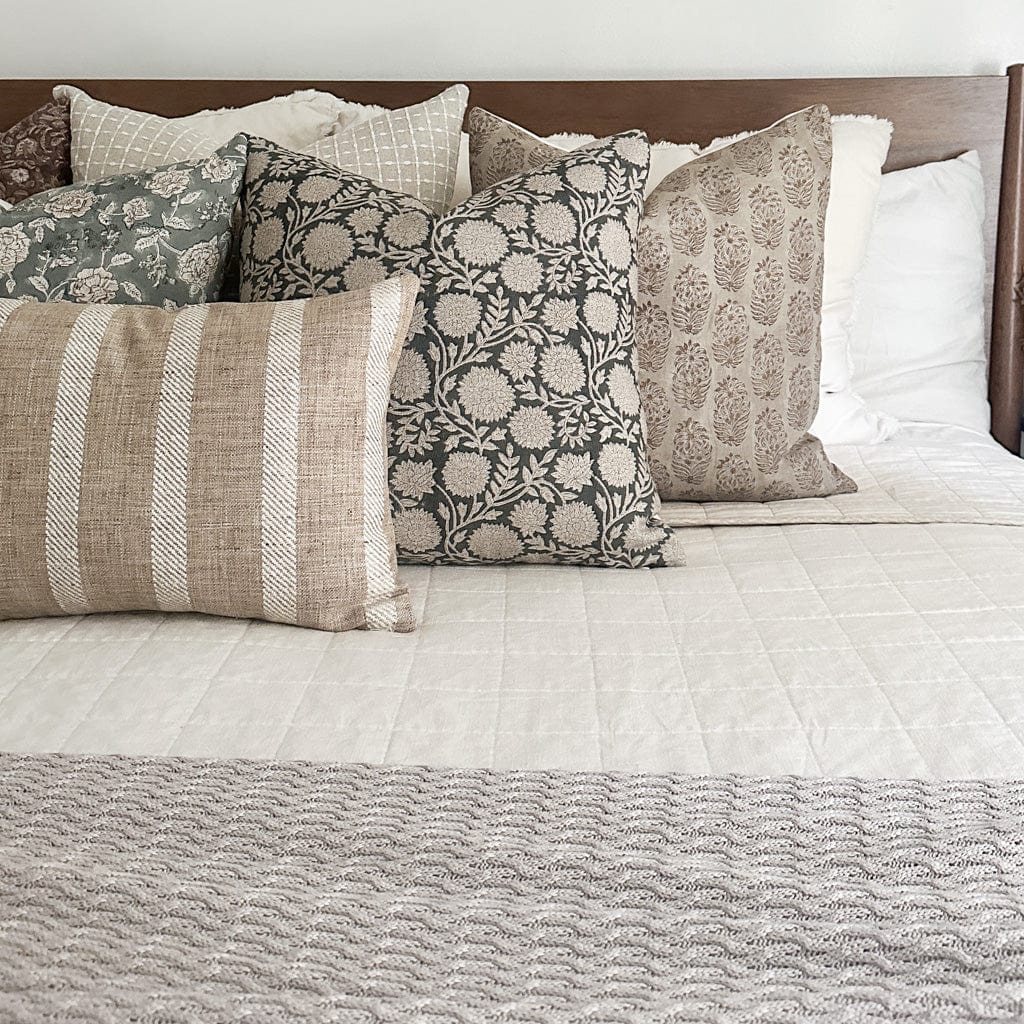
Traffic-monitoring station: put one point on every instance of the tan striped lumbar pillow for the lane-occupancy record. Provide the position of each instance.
(228, 459)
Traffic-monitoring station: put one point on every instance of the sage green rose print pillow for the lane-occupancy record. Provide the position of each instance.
(515, 429)
(156, 238)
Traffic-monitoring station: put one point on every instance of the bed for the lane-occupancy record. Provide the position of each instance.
(571, 794)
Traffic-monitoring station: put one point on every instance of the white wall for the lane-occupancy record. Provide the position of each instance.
(452, 39)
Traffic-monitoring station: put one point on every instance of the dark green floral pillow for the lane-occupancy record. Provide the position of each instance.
(159, 237)
(515, 428)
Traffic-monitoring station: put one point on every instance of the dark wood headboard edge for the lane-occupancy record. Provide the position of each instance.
(1006, 389)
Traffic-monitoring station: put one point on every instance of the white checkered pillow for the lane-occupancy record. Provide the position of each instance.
(413, 150)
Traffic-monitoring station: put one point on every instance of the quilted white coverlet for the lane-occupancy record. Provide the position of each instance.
(875, 634)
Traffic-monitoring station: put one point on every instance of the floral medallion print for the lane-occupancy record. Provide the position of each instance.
(156, 238)
(515, 429)
(35, 154)
(730, 260)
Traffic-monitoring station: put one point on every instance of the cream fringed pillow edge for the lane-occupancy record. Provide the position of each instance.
(228, 459)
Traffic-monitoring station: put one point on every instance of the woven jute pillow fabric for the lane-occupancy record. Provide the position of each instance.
(731, 257)
(158, 237)
(227, 459)
(515, 425)
(35, 154)
(414, 149)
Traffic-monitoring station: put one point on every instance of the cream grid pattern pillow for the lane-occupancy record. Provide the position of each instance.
(413, 150)
(227, 459)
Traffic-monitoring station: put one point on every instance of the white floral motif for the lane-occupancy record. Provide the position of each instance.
(480, 243)
(407, 229)
(466, 474)
(135, 210)
(363, 272)
(364, 220)
(200, 264)
(413, 479)
(616, 245)
(74, 202)
(486, 394)
(327, 246)
(494, 543)
(623, 390)
(169, 183)
(587, 178)
(531, 427)
(561, 315)
(521, 272)
(317, 188)
(601, 312)
(562, 369)
(14, 248)
(93, 285)
(416, 530)
(554, 223)
(216, 169)
(529, 517)
(617, 465)
(457, 315)
(511, 215)
(573, 471)
(518, 358)
(412, 378)
(575, 524)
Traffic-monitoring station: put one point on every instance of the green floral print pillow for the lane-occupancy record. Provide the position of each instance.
(157, 238)
(515, 429)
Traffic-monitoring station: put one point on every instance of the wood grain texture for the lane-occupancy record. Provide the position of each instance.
(934, 118)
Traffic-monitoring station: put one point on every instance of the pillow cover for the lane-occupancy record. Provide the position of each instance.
(860, 145)
(295, 121)
(35, 154)
(224, 459)
(412, 150)
(919, 335)
(515, 430)
(730, 260)
(4, 206)
(157, 237)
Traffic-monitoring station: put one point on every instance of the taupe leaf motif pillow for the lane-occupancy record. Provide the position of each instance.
(515, 430)
(731, 254)
(35, 154)
(158, 238)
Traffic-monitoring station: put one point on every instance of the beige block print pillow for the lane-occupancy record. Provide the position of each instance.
(227, 459)
(731, 257)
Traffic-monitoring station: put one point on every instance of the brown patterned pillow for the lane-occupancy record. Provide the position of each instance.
(225, 459)
(35, 155)
(731, 254)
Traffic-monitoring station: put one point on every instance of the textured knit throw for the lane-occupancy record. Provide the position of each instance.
(172, 890)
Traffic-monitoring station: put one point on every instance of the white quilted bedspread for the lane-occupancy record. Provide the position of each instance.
(876, 634)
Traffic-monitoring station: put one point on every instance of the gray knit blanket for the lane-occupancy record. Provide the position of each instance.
(169, 890)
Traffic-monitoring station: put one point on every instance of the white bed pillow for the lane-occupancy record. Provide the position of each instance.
(5, 206)
(918, 341)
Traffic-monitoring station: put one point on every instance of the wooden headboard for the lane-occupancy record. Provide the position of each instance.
(935, 119)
